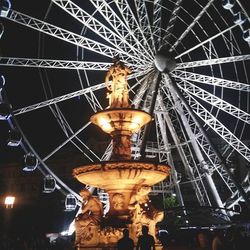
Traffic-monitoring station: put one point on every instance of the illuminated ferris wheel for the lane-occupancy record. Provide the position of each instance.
(189, 62)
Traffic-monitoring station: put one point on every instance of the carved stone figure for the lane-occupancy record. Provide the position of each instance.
(142, 211)
(118, 201)
(91, 215)
(121, 147)
(118, 90)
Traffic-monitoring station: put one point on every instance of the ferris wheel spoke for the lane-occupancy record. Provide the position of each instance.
(99, 28)
(63, 34)
(195, 134)
(139, 82)
(118, 24)
(157, 23)
(212, 61)
(63, 123)
(190, 27)
(212, 163)
(144, 85)
(73, 139)
(144, 21)
(108, 152)
(93, 101)
(67, 129)
(167, 35)
(218, 127)
(54, 64)
(58, 99)
(163, 142)
(214, 101)
(43, 168)
(128, 15)
(209, 40)
(69, 140)
(90, 96)
(185, 153)
(69, 96)
(214, 81)
(62, 64)
(172, 21)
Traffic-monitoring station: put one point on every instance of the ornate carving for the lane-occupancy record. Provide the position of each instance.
(109, 236)
(91, 215)
(95, 236)
(118, 201)
(142, 211)
(121, 165)
(121, 147)
(118, 90)
(88, 168)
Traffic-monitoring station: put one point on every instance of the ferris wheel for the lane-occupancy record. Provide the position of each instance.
(189, 62)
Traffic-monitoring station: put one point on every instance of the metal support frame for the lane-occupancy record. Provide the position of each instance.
(153, 96)
(222, 161)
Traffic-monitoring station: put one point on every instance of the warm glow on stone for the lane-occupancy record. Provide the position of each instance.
(127, 182)
(121, 175)
(105, 124)
(130, 120)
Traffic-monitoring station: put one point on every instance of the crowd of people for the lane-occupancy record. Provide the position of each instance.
(14, 242)
(34, 242)
(229, 239)
(223, 239)
(145, 241)
(232, 238)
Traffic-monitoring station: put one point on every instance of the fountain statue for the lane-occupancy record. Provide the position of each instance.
(128, 182)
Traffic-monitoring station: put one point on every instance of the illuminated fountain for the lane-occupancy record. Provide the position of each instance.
(128, 182)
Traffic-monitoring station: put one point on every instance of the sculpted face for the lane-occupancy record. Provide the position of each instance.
(118, 201)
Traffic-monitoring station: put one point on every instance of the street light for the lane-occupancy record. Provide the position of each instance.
(9, 201)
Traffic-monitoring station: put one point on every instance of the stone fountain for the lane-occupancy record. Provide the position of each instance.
(127, 182)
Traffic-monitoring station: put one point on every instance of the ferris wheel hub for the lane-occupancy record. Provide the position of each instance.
(164, 61)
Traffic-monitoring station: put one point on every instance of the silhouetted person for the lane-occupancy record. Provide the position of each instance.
(235, 240)
(145, 241)
(218, 240)
(125, 243)
(203, 240)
